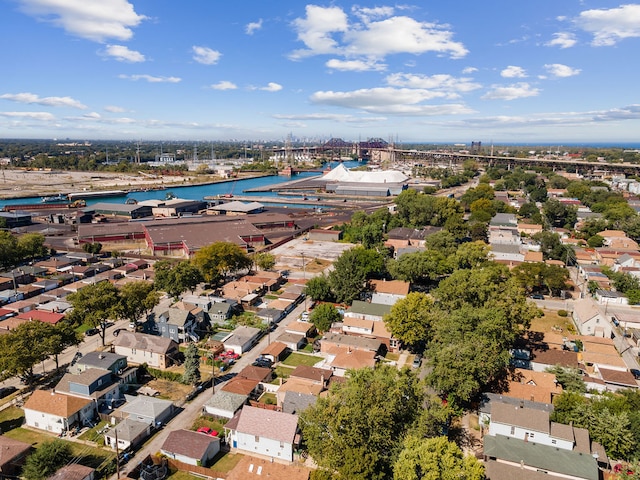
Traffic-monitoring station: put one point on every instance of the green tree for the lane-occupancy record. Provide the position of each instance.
(9, 251)
(176, 278)
(191, 365)
(482, 210)
(410, 318)
(137, 299)
(48, 458)
(23, 348)
(318, 288)
(94, 247)
(469, 255)
(324, 315)
(93, 305)
(220, 259)
(550, 245)
(350, 271)
(357, 431)
(62, 336)
(435, 459)
(31, 245)
(536, 276)
(559, 214)
(265, 260)
(595, 241)
(569, 378)
(419, 266)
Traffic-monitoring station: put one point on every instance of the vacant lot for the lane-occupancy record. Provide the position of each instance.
(552, 322)
(170, 390)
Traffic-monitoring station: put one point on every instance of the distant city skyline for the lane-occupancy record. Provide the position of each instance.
(442, 72)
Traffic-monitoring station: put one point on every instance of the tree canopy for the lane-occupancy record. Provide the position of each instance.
(94, 304)
(357, 431)
(220, 259)
(324, 315)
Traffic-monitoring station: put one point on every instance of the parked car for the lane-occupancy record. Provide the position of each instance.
(6, 391)
(91, 332)
(537, 296)
(417, 361)
(262, 362)
(208, 431)
(636, 373)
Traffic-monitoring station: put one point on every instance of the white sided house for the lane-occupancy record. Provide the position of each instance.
(258, 431)
(139, 348)
(55, 412)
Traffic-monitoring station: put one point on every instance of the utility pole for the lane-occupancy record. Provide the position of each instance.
(117, 453)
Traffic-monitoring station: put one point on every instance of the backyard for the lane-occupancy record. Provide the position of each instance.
(552, 322)
(294, 359)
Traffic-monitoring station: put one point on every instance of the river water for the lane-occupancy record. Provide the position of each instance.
(198, 192)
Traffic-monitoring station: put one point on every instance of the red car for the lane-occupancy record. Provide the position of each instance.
(208, 431)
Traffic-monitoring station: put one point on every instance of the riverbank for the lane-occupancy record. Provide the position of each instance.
(17, 184)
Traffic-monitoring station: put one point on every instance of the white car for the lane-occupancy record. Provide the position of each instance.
(305, 316)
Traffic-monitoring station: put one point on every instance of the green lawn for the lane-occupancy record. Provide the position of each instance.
(268, 398)
(226, 462)
(392, 357)
(281, 372)
(178, 475)
(295, 359)
(11, 418)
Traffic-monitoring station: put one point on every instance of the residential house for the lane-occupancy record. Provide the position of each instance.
(12, 456)
(42, 316)
(388, 292)
(177, 324)
(259, 431)
(250, 388)
(531, 385)
(305, 329)
(261, 374)
(101, 386)
(608, 297)
(139, 348)
(57, 413)
(149, 410)
(112, 362)
(275, 351)
(190, 447)
(298, 385)
(352, 342)
(224, 404)
(589, 319)
(296, 402)
(319, 376)
(128, 433)
(74, 471)
(367, 310)
(242, 339)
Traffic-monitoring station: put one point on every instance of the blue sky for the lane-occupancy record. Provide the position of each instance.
(541, 71)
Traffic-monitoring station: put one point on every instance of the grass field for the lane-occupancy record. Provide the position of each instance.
(295, 359)
(226, 462)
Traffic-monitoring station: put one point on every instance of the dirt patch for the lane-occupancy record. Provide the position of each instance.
(551, 322)
(170, 390)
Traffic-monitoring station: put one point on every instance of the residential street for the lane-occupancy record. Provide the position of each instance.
(193, 409)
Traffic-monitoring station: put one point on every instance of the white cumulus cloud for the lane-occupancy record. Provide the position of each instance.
(205, 55)
(372, 34)
(559, 70)
(355, 65)
(609, 26)
(32, 98)
(123, 54)
(114, 109)
(151, 78)
(562, 40)
(271, 87)
(511, 92)
(252, 27)
(513, 72)
(468, 70)
(223, 85)
(96, 21)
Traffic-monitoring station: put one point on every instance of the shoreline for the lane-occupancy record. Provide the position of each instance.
(16, 184)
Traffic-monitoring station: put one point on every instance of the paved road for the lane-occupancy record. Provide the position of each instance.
(193, 409)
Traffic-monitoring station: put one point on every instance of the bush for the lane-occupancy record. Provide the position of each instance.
(563, 313)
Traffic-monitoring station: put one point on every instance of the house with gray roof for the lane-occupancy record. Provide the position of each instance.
(367, 310)
(518, 459)
(180, 325)
(149, 410)
(93, 383)
(192, 448)
(129, 433)
(296, 402)
(242, 339)
(225, 404)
